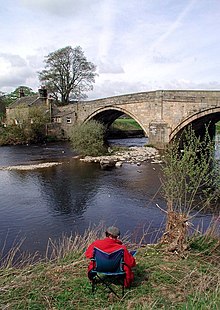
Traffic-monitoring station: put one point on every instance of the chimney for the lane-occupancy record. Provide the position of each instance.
(21, 92)
(43, 92)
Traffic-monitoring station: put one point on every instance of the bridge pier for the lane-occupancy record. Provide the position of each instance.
(162, 114)
(159, 134)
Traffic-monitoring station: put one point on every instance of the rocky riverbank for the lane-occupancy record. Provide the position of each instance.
(134, 155)
(30, 167)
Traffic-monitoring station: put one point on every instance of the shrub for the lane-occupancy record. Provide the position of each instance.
(88, 138)
(191, 181)
(32, 129)
(12, 135)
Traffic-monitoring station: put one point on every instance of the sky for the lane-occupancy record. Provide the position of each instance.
(136, 45)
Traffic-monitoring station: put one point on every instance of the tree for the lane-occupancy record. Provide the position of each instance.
(68, 74)
(2, 105)
(24, 90)
(191, 181)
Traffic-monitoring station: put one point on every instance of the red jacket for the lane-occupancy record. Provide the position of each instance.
(109, 245)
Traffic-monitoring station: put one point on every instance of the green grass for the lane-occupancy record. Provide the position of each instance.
(162, 281)
(125, 124)
(218, 127)
(131, 124)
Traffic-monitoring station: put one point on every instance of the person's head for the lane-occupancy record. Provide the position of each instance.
(112, 232)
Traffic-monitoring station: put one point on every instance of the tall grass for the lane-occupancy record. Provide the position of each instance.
(162, 280)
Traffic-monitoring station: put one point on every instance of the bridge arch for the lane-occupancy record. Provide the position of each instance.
(108, 115)
(198, 120)
(161, 114)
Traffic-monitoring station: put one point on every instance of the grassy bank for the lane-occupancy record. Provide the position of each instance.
(218, 127)
(125, 124)
(162, 280)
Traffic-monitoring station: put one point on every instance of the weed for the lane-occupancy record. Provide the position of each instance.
(162, 280)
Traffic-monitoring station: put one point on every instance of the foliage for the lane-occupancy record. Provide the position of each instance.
(162, 281)
(11, 97)
(2, 105)
(68, 74)
(191, 181)
(88, 138)
(218, 127)
(12, 135)
(32, 129)
(191, 174)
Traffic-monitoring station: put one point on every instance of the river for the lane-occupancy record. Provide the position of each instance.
(51, 202)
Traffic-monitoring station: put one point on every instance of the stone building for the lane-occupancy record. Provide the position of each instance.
(18, 112)
(61, 118)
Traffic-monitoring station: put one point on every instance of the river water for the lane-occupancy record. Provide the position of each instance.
(51, 202)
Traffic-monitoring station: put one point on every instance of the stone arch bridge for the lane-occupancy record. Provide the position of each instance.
(161, 114)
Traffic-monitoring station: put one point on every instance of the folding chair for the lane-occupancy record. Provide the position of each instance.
(108, 269)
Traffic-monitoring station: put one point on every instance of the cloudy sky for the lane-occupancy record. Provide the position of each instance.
(137, 45)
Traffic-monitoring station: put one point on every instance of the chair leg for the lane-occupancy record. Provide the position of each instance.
(93, 286)
(108, 286)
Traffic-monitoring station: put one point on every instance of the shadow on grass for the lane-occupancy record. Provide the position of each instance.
(141, 276)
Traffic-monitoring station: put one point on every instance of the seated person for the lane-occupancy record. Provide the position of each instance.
(110, 244)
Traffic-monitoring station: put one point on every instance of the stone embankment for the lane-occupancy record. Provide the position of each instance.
(132, 155)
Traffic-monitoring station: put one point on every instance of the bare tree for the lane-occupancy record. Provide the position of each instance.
(67, 74)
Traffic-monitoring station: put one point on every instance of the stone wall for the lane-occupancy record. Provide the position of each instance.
(159, 113)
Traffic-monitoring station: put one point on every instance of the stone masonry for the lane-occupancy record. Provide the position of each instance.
(161, 114)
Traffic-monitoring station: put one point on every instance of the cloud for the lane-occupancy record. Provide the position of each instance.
(174, 24)
(189, 84)
(107, 66)
(152, 45)
(110, 88)
(14, 71)
(160, 58)
(13, 60)
(60, 8)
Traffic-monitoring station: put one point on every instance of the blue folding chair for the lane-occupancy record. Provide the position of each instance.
(108, 269)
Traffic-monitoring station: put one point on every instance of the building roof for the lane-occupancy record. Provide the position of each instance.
(27, 101)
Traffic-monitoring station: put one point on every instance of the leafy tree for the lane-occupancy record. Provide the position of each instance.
(27, 91)
(68, 74)
(2, 105)
(36, 123)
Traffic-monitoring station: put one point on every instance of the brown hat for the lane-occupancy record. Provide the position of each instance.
(113, 231)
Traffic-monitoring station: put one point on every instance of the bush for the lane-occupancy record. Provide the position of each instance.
(27, 133)
(12, 135)
(88, 138)
(191, 182)
(32, 129)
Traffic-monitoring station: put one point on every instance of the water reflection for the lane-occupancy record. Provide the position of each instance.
(47, 203)
(67, 188)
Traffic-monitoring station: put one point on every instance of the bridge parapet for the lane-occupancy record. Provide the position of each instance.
(159, 113)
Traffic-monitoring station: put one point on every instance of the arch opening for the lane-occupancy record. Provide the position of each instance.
(210, 121)
(119, 124)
